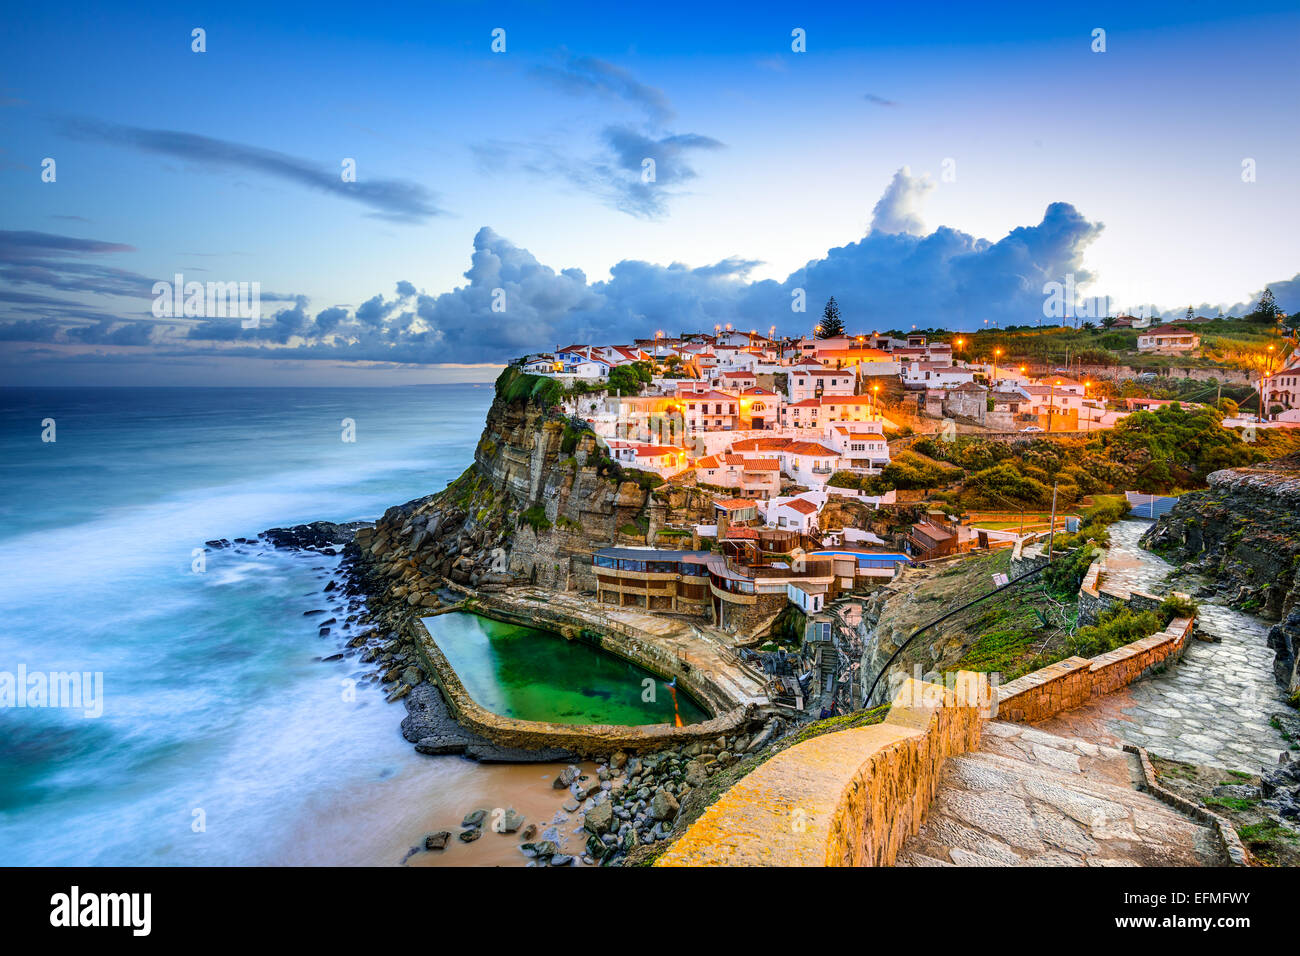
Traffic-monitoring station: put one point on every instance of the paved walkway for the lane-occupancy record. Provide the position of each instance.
(1213, 708)
(1028, 798)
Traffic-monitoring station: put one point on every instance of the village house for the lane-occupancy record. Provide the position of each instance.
(1169, 339)
(710, 411)
(1282, 387)
(860, 445)
(794, 514)
(809, 463)
(751, 477)
(927, 540)
(760, 408)
(936, 375)
(968, 402)
(803, 382)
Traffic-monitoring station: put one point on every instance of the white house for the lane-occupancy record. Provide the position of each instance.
(809, 463)
(935, 375)
(804, 382)
(1168, 338)
(793, 514)
(859, 445)
(710, 411)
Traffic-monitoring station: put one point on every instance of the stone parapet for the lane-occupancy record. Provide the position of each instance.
(1074, 681)
(849, 798)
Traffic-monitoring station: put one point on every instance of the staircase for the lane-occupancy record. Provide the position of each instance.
(1028, 798)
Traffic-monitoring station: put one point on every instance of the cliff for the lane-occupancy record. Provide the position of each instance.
(1242, 535)
(540, 496)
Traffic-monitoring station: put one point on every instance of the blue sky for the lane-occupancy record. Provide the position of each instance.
(775, 170)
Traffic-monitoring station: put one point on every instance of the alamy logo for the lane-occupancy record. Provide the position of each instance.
(70, 690)
(213, 300)
(103, 909)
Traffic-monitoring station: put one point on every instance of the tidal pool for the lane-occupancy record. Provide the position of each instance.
(531, 674)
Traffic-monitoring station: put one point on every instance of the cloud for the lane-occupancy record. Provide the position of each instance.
(878, 100)
(898, 209)
(511, 303)
(396, 200)
(616, 172)
(587, 75)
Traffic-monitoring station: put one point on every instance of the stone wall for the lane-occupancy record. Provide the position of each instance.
(584, 739)
(849, 798)
(1074, 681)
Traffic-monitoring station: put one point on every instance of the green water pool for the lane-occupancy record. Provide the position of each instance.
(531, 674)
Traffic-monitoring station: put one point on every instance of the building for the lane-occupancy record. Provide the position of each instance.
(936, 375)
(794, 514)
(1168, 338)
(1282, 387)
(861, 447)
(927, 540)
(710, 411)
(809, 463)
(760, 408)
(750, 477)
(804, 382)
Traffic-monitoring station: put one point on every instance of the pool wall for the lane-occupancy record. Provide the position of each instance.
(584, 739)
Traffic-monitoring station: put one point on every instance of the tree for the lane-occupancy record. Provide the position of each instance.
(1108, 322)
(1190, 314)
(831, 325)
(1267, 309)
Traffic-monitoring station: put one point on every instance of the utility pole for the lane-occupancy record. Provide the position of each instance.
(1051, 532)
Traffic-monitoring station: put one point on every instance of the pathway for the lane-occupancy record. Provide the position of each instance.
(1212, 708)
(1028, 798)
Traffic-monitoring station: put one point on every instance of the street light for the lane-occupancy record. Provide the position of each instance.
(996, 353)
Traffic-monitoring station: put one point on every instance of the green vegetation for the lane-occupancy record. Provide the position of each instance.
(512, 385)
(909, 470)
(535, 517)
(831, 324)
(630, 379)
(1064, 575)
(648, 480)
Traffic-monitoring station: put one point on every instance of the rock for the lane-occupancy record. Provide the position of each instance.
(599, 818)
(566, 777)
(474, 818)
(511, 821)
(695, 774)
(412, 675)
(530, 831)
(561, 859)
(618, 760)
(437, 841)
(663, 805)
(470, 835)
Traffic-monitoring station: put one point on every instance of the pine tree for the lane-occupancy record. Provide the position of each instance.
(1267, 309)
(1190, 314)
(831, 325)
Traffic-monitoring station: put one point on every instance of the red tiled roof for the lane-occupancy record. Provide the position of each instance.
(742, 533)
(802, 505)
(760, 444)
(810, 448)
(656, 451)
(762, 464)
(734, 504)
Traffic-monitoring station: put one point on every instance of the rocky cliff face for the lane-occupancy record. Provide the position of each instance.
(539, 497)
(1242, 536)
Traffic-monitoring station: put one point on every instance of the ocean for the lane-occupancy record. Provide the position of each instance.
(223, 738)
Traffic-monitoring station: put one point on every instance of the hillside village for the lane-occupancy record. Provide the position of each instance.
(777, 427)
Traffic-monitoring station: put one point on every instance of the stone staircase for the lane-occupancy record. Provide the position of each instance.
(1029, 798)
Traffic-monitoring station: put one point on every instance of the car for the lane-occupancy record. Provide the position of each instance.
(1031, 428)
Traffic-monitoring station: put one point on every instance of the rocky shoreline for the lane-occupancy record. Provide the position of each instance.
(630, 801)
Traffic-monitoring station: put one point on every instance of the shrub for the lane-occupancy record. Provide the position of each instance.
(536, 518)
(1064, 575)
(1175, 606)
(1115, 628)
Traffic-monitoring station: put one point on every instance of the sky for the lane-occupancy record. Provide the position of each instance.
(415, 205)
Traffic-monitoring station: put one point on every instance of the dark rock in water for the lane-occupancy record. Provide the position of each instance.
(317, 536)
(469, 836)
(437, 841)
(333, 620)
(561, 859)
(429, 725)
(314, 612)
(331, 586)
(474, 818)
(324, 632)
(333, 657)
(217, 543)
